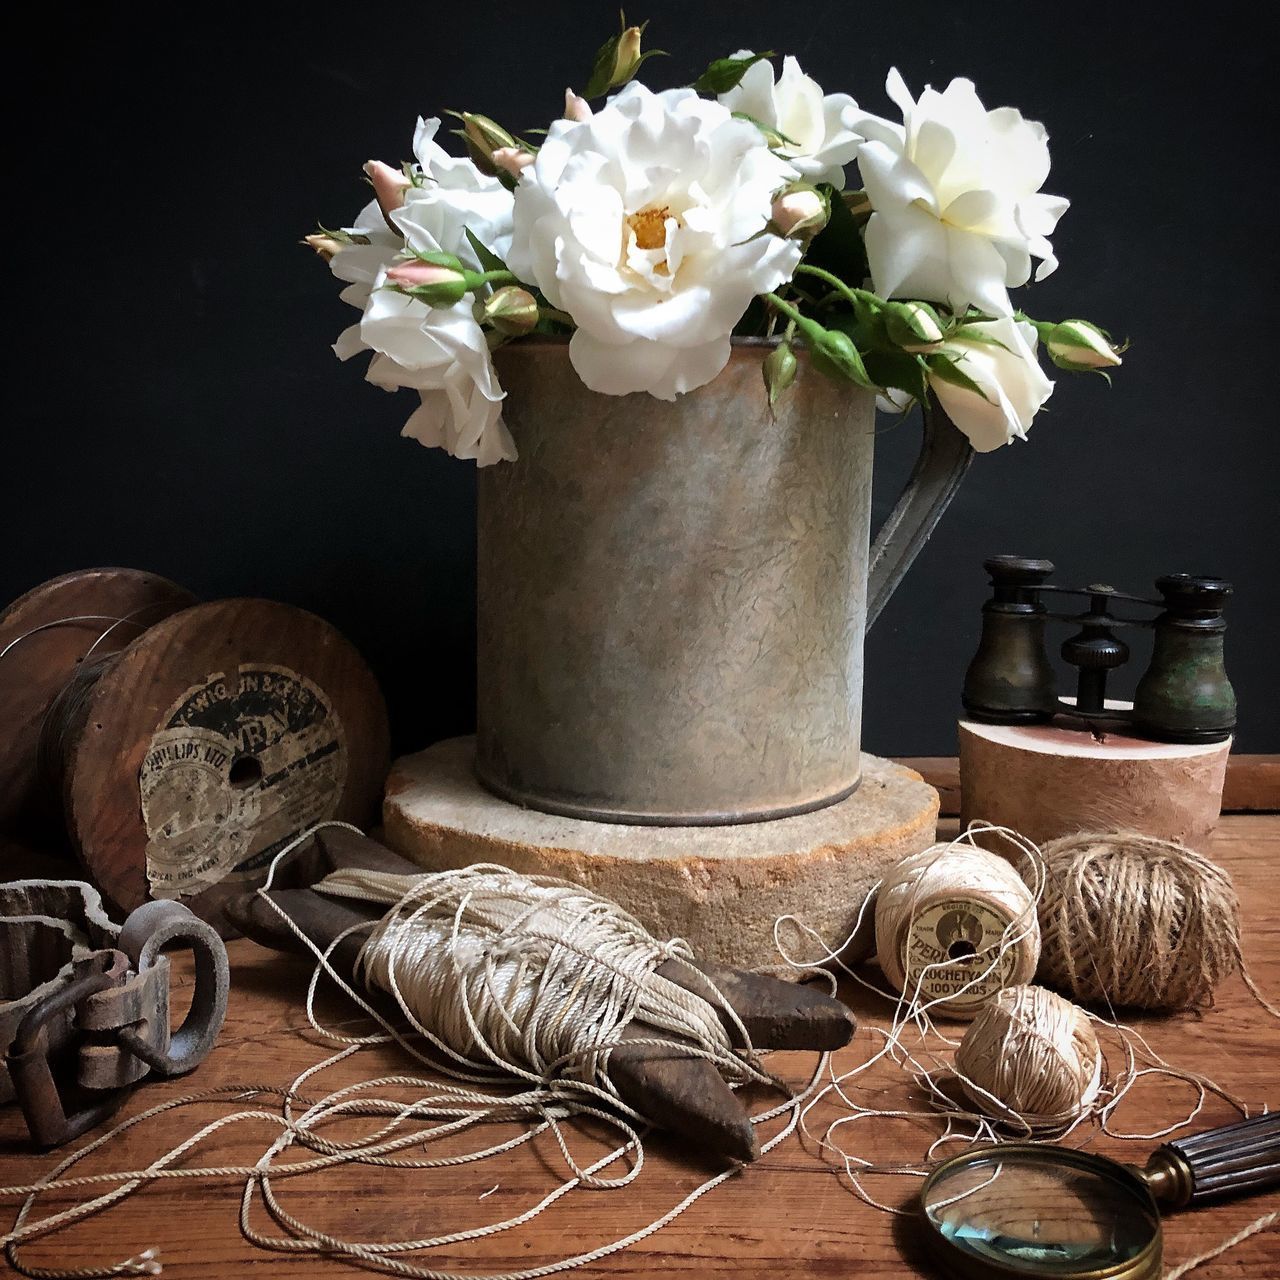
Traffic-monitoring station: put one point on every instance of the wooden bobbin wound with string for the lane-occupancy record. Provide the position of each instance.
(181, 744)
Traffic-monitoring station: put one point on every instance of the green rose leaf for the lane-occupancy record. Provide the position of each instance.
(899, 371)
(726, 73)
(489, 261)
(948, 369)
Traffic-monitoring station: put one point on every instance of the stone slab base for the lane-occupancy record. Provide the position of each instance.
(720, 888)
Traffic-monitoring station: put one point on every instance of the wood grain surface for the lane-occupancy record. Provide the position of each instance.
(789, 1215)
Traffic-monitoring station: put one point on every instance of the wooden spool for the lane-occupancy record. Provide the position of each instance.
(181, 764)
(1046, 781)
(212, 741)
(43, 636)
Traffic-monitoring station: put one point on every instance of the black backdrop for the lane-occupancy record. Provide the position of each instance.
(174, 404)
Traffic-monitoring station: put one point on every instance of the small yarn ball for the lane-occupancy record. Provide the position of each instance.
(1030, 1057)
(1131, 920)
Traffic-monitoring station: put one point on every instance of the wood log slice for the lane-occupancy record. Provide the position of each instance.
(44, 635)
(1047, 781)
(720, 888)
(214, 739)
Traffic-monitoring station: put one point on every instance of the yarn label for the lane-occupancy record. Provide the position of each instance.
(952, 953)
(240, 764)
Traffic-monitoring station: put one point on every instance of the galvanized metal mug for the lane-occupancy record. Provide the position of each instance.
(673, 595)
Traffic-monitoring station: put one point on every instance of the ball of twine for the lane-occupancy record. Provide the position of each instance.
(1130, 920)
(957, 873)
(1030, 1058)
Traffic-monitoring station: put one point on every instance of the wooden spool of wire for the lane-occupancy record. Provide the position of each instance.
(44, 636)
(188, 758)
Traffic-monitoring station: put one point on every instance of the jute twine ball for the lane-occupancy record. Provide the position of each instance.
(1030, 1058)
(1130, 920)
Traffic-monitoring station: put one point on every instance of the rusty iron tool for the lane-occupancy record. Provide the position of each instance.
(682, 1093)
(84, 1003)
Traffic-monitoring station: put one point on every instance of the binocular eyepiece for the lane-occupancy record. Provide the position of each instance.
(1184, 696)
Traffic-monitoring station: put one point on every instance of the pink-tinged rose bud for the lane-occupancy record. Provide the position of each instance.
(512, 160)
(389, 186)
(411, 275)
(799, 211)
(575, 107)
(325, 246)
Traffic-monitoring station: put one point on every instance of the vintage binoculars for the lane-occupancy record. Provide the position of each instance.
(1184, 696)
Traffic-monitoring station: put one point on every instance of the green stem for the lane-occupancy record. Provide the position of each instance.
(792, 313)
(476, 278)
(858, 297)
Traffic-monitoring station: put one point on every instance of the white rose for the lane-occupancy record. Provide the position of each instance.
(642, 223)
(822, 142)
(1012, 386)
(440, 352)
(451, 197)
(955, 193)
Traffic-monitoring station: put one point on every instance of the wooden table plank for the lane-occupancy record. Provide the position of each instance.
(788, 1216)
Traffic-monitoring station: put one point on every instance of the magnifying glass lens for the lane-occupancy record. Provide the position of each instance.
(1031, 1214)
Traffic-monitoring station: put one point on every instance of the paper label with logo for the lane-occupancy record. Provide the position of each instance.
(240, 764)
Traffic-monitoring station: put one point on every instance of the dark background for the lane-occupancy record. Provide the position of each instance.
(173, 403)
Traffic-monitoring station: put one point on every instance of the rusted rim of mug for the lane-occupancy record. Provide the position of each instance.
(623, 817)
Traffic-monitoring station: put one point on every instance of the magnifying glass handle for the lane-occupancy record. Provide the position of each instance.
(1237, 1160)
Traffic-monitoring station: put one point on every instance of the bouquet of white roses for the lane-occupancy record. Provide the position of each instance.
(658, 224)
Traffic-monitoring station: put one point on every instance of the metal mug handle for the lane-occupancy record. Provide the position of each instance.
(944, 458)
(150, 927)
(1236, 1160)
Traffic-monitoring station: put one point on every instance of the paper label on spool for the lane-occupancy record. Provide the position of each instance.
(239, 766)
(962, 937)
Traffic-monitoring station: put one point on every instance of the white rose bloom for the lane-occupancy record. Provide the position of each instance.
(955, 193)
(1012, 384)
(822, 142)
(439, 351)
(641, 222)
(452, 196)
(442, 352)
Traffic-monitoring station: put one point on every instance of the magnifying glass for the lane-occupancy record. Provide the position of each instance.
(1030, 1209)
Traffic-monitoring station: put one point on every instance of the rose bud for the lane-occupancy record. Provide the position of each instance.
(913, 326)
(627, 59)
(389, 186)
(512, 311)
(439, 283)
(483, 137)
(834, 354)
(325, 246)
(779, 369)
(799, 212)
(1079, 345)
(575, 107)
(513, 160)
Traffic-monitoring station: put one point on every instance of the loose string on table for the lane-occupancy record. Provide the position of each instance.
(560, 1071)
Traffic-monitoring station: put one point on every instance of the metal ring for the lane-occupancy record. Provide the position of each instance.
(152, 926)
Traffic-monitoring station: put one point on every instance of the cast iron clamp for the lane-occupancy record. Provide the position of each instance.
(84, 1003)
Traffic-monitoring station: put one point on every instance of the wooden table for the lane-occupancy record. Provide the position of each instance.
(788, 1215)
